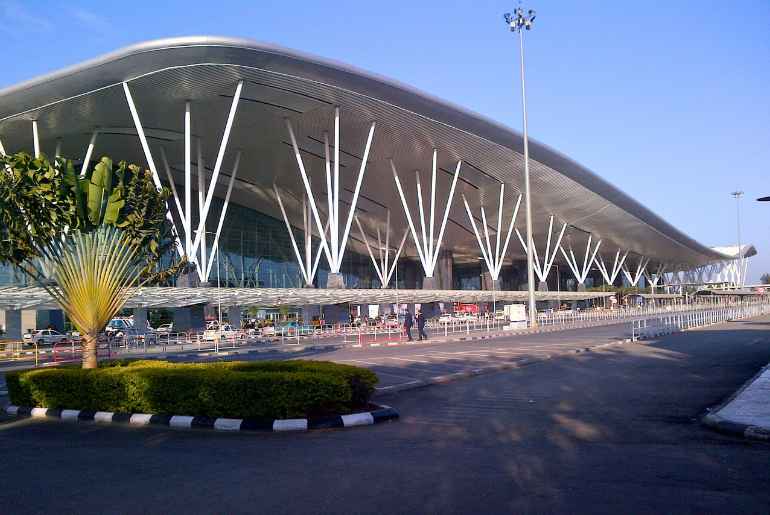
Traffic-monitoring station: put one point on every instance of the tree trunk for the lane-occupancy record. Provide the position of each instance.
(88, 341)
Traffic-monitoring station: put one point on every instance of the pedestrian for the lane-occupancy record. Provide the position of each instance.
(408, 322)
(421, 326)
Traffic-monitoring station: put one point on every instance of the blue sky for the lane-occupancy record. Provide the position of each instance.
(667, 100)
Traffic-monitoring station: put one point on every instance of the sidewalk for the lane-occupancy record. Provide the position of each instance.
(337, 342)
(747, 412)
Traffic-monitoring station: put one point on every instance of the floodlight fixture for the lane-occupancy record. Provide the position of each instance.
(519, 20)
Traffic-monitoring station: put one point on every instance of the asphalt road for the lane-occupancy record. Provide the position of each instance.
(405, 364)
(609, 431)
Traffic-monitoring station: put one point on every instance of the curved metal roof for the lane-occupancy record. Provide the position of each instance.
(281, 83)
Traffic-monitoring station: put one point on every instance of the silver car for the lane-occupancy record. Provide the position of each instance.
(45, 337)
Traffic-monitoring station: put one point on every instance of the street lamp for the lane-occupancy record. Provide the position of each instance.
(738, 195)
(518, 22)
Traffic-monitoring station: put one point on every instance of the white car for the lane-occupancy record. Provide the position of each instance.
(225, 332)
(45, 337)
(119, 327)
(445, 318)
(392, 321)
(165, 328)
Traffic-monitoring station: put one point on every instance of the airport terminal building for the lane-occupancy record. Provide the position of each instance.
(298, 180)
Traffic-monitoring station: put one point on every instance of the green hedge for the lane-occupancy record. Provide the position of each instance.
(266, 389)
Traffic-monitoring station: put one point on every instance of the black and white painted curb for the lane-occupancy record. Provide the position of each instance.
(382, 414)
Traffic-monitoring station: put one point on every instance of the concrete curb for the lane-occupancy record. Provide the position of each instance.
(729, 427)
(382, 414)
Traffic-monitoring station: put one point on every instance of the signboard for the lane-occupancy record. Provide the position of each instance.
(516, 312)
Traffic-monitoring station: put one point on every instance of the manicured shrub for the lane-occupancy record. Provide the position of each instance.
(289, 389)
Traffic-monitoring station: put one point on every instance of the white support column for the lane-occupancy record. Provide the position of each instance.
(148, 157)
(57, 150)
(494, 257)
(224, 211)
(655, 277)
(89, 152)
(610, 276)
(581, 272)
(640, 268)
(548, 259)
(2, 149)
(201, 172)
(334, 247)
(307, 269)
(36, 139)
(188, 177)
(217, 167)
(383, 267)
(172, 184)
(142, 137)
(427, 249)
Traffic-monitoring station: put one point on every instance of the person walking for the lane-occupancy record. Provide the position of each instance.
(421, 326)
(408, 322)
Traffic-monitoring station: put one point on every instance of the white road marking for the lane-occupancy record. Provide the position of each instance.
(412, 360)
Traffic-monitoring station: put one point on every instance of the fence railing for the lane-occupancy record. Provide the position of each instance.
(652, 327)
(646, 321)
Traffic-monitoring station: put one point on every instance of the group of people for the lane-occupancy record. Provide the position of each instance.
(409, 322)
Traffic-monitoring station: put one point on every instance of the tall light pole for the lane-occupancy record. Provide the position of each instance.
(738, 195)
(519, 22)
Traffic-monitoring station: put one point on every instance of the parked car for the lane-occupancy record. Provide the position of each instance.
(465, 317)
(224, 332)
(45, 337)
(119, 327)
(165, 328)
(392, 321)
(445, 318)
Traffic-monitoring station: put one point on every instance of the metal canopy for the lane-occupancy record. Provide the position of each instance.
(280, 84)
(12, 298)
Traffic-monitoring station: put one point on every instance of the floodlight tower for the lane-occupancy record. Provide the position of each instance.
(738, 195)
(519, 22)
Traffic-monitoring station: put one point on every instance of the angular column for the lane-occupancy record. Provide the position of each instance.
(640, 269)
(335, 246)
(13, 329)
(50, 317)
(189, 318)
(581, 273)
(493, 256)
(235, 316)
(140, 320)
(543, 271)
(383, 266)
(428, 246)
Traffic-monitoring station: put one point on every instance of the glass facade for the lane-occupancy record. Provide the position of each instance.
(255, 251)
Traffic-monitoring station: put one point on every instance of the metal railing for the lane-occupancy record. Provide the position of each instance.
(646, 321)
(652, 327)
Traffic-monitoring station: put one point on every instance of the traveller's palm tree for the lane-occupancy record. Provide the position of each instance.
(91, 274)
(86, 238)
